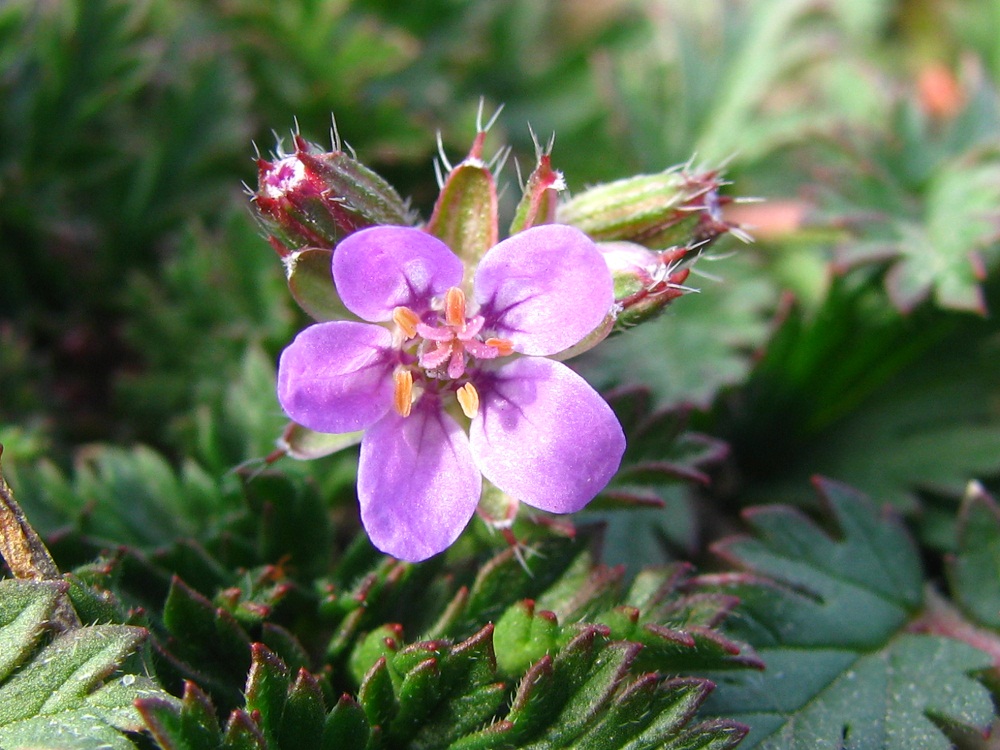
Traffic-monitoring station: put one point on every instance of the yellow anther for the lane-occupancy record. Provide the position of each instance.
(407, 321)
(503, 346)
(454, 307)
(402, 396)
(468, 399)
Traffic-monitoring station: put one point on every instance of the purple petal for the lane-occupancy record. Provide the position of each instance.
(417, 482)
(544, 289)
(544, 436)
(381, 268)
(337, 377)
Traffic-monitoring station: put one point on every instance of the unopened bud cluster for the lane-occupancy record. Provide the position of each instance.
(649, 227)
(314, 198)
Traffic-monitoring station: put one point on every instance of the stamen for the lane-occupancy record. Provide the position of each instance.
(503, 346)
(402, 396)
(468, 399)
(407, 320)
(454, 307)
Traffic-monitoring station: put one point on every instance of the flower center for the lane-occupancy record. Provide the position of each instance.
(443, 349)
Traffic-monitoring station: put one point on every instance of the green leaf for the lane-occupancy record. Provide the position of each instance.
(701, 344)
(347, 727)
(652, 515)
(60, 695)
(972, 570)
(25, 610)
(267, 690)
(828, 615)
(190, 726)
(945, 254)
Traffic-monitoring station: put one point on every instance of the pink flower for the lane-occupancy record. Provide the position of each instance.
(429, 361)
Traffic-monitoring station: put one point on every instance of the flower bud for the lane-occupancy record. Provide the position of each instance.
(645, 282)
(539, 199)
(312, 198)
(465, 213)
(661, 210)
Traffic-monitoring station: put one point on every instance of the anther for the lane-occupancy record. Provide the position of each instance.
(503, 346)
(454, 307)
(468, 399)
(402, 395)
(407, 321)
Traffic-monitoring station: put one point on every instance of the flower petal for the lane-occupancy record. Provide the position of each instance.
(417, 483)
(544, 436)
(379, 269)
(544, 289)
(337, 377)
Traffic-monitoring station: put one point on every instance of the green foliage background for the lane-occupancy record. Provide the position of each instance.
(141, 314)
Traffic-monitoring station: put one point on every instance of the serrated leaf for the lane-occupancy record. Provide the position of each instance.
(888, 405)
(828, 615)
(701, 344)
(943, 256)
(60, 696)
(190, 726)
(25, 609)
(972, 570)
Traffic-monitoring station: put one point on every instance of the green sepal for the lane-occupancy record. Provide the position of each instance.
(541, 194)
(310, 280)
(346, 727)
(523, 636)
(303, 444)
(465, 214)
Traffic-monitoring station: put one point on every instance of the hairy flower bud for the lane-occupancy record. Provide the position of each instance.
(671, 208)
(314, 198)
(645, 282)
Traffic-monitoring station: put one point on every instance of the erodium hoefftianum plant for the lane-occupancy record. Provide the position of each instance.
(441, 343)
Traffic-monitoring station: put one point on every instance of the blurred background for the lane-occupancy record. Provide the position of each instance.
(856, 337)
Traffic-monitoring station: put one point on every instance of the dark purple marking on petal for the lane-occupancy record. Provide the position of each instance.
(544, 436)
(381, 268)
(417, 483)
(337, 377)
(544, 289)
